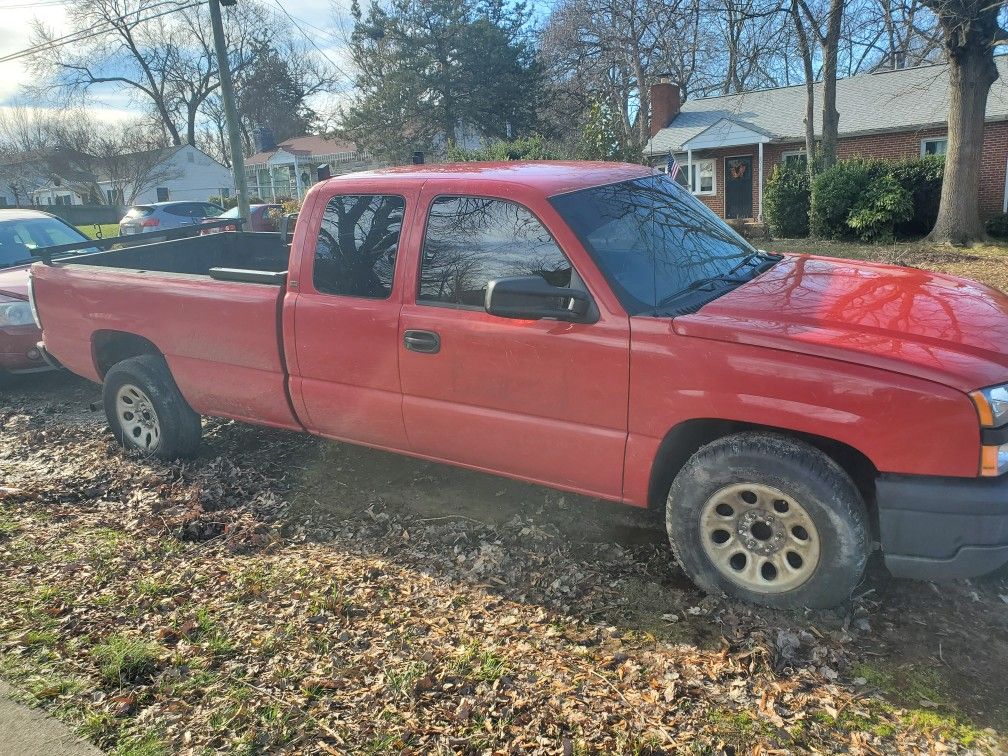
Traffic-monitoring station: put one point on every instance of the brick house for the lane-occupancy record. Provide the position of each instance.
(728, 145)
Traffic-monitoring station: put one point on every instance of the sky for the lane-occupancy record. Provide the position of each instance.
(111, 103)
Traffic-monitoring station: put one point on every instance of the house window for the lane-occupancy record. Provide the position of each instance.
(190, 156)
(162, 194)
(937, 146)
(793, 157)
(704, 177)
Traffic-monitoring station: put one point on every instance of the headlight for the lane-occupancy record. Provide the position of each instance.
(15, 314)
(992, 408)
(992, 405)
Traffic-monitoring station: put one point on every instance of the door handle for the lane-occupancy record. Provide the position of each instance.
(427, 342)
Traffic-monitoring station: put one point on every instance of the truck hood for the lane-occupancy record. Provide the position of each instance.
(928, 325)
(14, 282)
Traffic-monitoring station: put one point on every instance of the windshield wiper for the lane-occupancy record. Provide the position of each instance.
(768, 261)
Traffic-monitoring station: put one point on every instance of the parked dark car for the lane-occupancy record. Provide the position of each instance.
(263, 217)
(21, 231)
(160, 216)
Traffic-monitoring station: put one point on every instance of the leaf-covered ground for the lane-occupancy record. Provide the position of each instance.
(286, 594)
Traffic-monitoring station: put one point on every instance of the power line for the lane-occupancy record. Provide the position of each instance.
(99, 29)
(311, 41)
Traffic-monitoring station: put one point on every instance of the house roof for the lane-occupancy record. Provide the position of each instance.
(304, 146)
(909, 98)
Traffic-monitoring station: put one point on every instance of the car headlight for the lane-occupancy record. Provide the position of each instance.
(15, 314)
(992, 409)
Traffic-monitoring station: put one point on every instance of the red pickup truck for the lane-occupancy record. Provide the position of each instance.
(590, 327)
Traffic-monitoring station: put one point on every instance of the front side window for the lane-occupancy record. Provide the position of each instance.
(662, 251)
(357, 243)
(934, 147)
(472, 240)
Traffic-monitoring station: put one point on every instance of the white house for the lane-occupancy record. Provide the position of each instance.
(171, 173)
(180, 173)
(288, 169)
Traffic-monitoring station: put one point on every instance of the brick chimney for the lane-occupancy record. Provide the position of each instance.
(665, 103)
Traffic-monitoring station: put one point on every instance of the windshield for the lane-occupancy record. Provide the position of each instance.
(661, 249)
(232, 213)
(19, 237)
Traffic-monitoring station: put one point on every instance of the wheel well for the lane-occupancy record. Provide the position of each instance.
(112, 347)
(685, 439)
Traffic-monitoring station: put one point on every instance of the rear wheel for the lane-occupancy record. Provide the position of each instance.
(769, 520)
(146, 411)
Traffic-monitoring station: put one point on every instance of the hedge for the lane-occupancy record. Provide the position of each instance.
(997, 226)
(872, 199)
(786, 201)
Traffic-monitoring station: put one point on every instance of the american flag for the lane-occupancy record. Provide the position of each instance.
(672, 167)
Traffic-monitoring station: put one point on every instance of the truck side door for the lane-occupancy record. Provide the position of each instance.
(543, 400)
(345, 375)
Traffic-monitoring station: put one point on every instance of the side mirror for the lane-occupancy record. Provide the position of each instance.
(531, 298)
(287, 227)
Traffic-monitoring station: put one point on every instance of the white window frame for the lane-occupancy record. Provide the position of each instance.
(924, 142)
(791, 153)
(696, 177)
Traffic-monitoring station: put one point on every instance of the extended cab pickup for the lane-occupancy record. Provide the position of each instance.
(591, 327)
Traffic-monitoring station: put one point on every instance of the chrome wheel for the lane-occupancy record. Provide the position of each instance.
(138, 422)
(759, 538)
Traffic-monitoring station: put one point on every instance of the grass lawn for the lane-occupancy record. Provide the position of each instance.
(107, 230)
(987, 263)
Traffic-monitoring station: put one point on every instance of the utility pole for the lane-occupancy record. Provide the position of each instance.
(230, 112)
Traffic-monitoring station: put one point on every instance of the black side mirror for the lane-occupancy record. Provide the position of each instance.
(287, 227)
(531, 298)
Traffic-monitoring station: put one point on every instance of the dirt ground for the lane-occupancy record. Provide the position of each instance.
(284, 593)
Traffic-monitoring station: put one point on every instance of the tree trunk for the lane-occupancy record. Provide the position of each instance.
(971, 73)
(806, 53)
(830, 116)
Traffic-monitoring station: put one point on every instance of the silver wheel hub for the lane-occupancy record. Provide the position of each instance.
(759, 537)
(138, 421)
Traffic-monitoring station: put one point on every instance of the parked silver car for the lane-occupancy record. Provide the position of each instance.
(160, 216)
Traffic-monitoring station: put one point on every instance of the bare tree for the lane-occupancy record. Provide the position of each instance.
(160, 51)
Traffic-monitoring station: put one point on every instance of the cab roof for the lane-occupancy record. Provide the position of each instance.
(549, 177)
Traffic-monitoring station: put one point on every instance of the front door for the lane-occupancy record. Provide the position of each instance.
(738, 187)
(541, 399)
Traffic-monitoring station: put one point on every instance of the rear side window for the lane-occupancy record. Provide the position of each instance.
(357, 243)
(472, 240)
(183, 209)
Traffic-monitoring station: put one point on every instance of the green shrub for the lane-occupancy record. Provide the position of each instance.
(859, 198)
(923, 179)
(524, 148)
(786, 201)
(998, 226)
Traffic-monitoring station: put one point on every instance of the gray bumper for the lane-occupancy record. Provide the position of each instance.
(943, 528)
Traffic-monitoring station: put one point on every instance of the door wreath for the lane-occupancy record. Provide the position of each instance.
(738, 170)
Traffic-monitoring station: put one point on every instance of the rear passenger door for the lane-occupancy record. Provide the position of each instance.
(541, 399)
(346, 315)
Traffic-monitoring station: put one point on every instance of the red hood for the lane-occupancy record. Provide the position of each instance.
(928, 325)
(14, 282)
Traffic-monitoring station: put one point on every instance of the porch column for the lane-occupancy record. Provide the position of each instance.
(760, 216)
(689, 171)
(297, 178)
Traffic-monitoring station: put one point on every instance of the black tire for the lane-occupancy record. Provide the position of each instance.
(179, 427)
(819, 485)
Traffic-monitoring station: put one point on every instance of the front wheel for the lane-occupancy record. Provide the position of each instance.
(770, 520)
(146, 412)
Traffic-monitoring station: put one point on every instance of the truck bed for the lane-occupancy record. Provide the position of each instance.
(209, 304)
(198, 255)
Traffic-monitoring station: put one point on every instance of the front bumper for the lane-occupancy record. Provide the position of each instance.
(935, 528)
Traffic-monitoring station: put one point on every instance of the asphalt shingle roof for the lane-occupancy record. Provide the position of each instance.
(876, 102)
